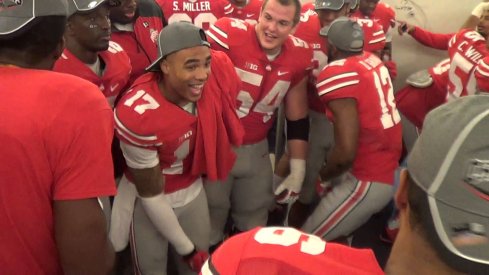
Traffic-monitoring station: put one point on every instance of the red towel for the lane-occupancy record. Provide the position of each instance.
(219, 127)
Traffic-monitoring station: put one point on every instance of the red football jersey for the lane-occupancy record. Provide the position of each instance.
(145, 118)
(248, 13)
(366, 79)
(55, 130)
(286, 251)
(115, 75)
(201, 13)
(414, 103)
(308, 30)
(466, 49)
(482, 75)
(383, 14)
(374, 35)
(265, 82)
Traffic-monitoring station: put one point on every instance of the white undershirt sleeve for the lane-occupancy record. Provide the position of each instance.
(139, 158)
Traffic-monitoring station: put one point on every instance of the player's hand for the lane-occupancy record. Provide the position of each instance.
(288, 191)
(392, 67)
(196, 259)
(404, 27)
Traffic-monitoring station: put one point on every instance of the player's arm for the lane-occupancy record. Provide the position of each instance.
(475, 16)
(346, 129)
(144, 168)
(296, 114)
(433, 40)
(82, 242)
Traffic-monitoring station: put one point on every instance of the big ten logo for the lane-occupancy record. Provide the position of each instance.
(187, 135)
(316, 46)
(251, 66)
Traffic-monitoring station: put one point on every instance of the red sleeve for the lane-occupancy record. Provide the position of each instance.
(218, 34)
(432, 40)
(337, 81)
(482, 75)
(81, 147)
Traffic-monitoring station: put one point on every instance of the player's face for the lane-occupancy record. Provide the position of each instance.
(327, 16)
(274, 25)
(91, 30)
(483, 26)
(367, 7)
(125, 13)
(185, 73)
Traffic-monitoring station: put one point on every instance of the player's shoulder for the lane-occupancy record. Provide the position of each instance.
(309, 26)
(300, 51)
(224, 6)
(115, 51)
(385, 10)
(229, 31)
(139, 111)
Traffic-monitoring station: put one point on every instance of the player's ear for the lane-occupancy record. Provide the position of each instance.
(164, 66)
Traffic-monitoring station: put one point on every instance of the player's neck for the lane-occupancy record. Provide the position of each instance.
(84, 55)
(411, 254)
(241, 4)
(23, 60)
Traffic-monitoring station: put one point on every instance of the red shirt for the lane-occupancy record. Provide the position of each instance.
(383, 14)
(308, 30)
(282, 250)
(248, 13)
(55, 130)
(365, 79)
(374, 36)
(465, 48)
(141, 44)
(265, 82)
(115, 74)
(201, 13)
(145, 118)
(482, 75)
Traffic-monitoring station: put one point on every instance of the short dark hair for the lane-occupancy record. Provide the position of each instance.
(40, 40)
(421, 220)
(296, 3)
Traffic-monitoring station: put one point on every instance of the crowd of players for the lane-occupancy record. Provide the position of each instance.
(192, 89)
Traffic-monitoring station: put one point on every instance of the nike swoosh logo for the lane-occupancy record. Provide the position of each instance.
(113, 87)
(250, 15)
(282, 73)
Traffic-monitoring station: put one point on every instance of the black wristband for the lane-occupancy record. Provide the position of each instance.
(298, 129)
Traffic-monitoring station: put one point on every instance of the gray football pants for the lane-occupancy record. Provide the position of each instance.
(150, 249)
(247, 192)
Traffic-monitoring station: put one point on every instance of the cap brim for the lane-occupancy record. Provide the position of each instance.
(466, 244)
(324, 30)
(90, 6)
(155, 66)
(333, 5)
(14, 26)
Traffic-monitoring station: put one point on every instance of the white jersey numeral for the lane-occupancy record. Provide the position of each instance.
(150, 103)
(180, 154)
(390, 116)
(460, 77)
(268, 104)
(309, 244)
(114, 47)
(202, 20)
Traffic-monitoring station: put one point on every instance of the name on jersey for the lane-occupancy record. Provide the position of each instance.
(468, 50)
(197, 6)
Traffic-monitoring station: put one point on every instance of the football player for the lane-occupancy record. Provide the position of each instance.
(135, 27)
(273, 66)
(320, 132)
(55, 133)
(172, 131)
(465, 49)
(367, 134)
(247, 10)
(90, 54)
(201, 13)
